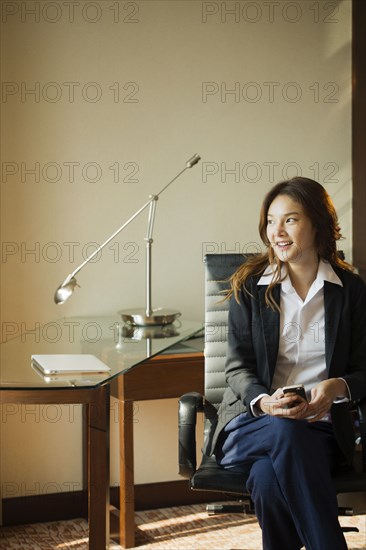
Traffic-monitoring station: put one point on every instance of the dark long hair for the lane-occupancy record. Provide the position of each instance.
(318, 206)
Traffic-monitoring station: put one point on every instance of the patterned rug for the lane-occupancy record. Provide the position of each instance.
(177, 528)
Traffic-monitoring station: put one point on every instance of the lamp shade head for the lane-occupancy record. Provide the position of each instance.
(65, 290)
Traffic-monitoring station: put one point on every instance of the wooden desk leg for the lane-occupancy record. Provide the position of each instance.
(98, 450)
(127, 493)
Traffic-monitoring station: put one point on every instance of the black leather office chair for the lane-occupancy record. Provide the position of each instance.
(209, 476)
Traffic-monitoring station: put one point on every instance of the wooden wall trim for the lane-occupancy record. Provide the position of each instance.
(359, 134)
(74, 504)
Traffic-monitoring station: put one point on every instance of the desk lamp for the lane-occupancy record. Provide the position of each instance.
(143, 316)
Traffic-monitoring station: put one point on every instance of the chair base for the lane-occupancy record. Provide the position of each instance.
(236, 508)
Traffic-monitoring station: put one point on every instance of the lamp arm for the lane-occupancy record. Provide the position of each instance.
(99, 248)
(149, 241)
(151, 200)
(66, 288)
(149, 234)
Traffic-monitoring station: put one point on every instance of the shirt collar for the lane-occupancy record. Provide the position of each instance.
(325, 273)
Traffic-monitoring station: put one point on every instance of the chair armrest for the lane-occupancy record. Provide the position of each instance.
(189, 405)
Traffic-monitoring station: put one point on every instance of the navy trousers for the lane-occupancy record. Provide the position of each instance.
(288, 463)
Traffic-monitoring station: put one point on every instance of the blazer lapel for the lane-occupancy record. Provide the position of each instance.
(333, 298)
(270, 326)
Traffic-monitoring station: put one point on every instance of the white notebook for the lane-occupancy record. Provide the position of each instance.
(69, 363)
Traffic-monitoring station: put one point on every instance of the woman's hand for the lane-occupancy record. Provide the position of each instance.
(289, 406)
(293, 406)
(323, 395)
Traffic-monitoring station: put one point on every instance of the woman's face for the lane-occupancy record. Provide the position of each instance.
(290, 231)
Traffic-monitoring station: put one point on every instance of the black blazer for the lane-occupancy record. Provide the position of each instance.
(253, 340)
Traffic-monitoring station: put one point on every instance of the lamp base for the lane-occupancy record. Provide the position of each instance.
(132, 332)
(139, 318)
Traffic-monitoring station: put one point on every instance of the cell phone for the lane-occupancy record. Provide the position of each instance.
(298, 389)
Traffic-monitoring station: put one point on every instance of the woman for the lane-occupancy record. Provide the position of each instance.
(297, 316)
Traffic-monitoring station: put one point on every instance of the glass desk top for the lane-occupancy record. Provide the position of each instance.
(118, 346)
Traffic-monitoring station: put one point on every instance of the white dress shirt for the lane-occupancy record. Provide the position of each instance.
(301, 352)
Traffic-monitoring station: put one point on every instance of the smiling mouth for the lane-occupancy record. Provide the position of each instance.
(284, 244)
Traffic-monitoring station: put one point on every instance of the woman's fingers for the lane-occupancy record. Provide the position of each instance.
(289, 406)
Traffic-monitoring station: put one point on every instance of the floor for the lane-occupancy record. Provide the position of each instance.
(178, 528)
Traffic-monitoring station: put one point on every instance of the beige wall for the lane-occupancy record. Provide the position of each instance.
(261, 93)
